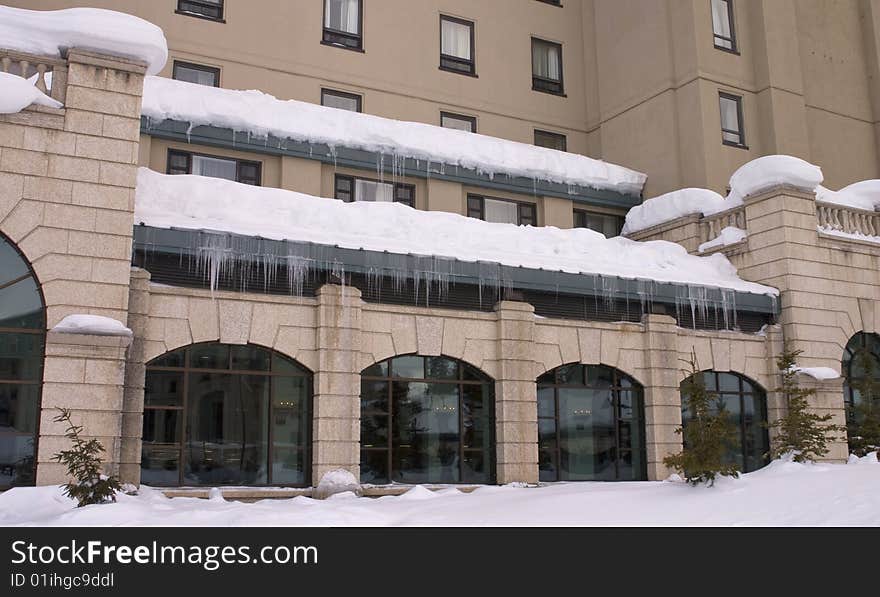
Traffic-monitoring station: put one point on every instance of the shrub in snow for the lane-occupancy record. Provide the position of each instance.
(863, 420)
(803, 433)
(336, 481)
(83, 462)
(708, 436)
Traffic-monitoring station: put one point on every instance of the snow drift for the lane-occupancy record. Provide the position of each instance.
(17, 93)
(261, 114)
(201, 203)
(53, 32)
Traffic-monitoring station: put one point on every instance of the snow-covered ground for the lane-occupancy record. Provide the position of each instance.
(783, 493)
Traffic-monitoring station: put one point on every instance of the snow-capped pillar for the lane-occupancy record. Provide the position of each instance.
(662, 396)
(336, 404)
(516, 402)
(135, 370)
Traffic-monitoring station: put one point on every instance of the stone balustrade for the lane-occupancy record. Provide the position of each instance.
(711, 226)
(848, 219)
(51, 72)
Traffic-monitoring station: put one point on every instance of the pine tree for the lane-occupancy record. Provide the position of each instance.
(83, 463)
(800, 431)
(708, 435)
(863, 420)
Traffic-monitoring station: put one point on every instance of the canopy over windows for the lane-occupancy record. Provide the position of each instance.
(590, 425)
(216, 414)
(427, 420)
(746, 404)
(22, 341)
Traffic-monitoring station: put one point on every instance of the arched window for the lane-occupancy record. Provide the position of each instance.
(590, 425)
(861, 358)
(746, 404)
(22, 345)
(218, 414)
(427, 420)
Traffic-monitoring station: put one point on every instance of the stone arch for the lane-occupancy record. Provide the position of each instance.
(22, 356)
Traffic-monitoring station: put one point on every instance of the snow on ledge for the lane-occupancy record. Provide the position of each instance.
(96, 325)
(52, 32)
(261, 114)
(771, 171)
(728, 236)
(819, 373)
(17, 93)
(674, 205)
(860, 195)
(202, 203)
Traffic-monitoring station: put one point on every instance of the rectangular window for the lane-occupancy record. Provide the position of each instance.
(550, 140)
(722, 25)
(608, 224)
(351, 188)
(731, 120)
(547, 66)
(243, 171)
(207, 9)
(341, 100)
(342, 23)
(459, 122)
(196, 73)
(501, 211)
(457, 45)
(553, 2)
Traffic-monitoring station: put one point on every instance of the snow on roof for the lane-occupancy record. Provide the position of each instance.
(202, 203)
(50, 32)
(750, 179)
(261, 114)
(17, 93)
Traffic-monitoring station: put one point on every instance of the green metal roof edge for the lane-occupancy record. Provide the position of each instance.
(225, 138)
(187, 241)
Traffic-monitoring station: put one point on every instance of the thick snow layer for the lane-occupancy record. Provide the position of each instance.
(672, 206)
(17, 93)
(728, 236)
(96, 325)
(860, 195)
(202, 203)
(773, 170)
(51, 32)
(839, 494)
(337, 481)
(820, 373)
(262, 114)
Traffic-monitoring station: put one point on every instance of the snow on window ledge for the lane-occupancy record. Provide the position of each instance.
(95, 325)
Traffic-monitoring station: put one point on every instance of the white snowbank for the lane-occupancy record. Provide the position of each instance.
(202, 203)
(820, 373)
(860, 195)
(839, 494)
(96, 325)
(729, 235)
(758, 175)
(261, 114)
(337, 481)
(17, 93)
(52, 32)
(773, 170)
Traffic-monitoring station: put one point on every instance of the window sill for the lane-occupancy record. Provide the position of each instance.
(458, 72)
(199, 16)
(331, 44)
(557, 93)
(736, 145)
(733, 51)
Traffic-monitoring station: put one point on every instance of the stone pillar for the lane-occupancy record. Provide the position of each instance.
(336, 405)
(662, 396)
(135, 369)
(516, 400)
(82, 372)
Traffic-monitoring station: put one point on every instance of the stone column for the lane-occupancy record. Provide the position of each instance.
(133, 390)
(516, 402)
(82, 372)
(336, 405)
(662, 396)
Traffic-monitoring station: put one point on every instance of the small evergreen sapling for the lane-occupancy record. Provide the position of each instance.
(804, 433)
(83, 463)
(707, 437)
(863, 420)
